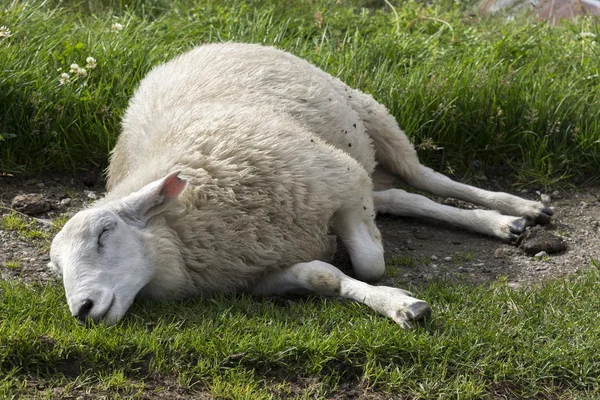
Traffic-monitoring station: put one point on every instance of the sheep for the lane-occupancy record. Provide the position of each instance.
(235, 164)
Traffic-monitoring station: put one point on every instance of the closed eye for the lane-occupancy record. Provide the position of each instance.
(101, 236)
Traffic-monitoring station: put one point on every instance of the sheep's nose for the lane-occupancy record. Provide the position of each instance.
(84, 310)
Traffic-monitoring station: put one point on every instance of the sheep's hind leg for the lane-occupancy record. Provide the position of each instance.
(399, 202)
(434, 182)
(325, 279)
(396, 154)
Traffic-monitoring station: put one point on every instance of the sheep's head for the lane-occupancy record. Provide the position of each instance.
(102, 252)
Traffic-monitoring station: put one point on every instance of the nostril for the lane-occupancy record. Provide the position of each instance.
(84, 310)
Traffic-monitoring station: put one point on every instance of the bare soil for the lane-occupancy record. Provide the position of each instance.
(418, 251)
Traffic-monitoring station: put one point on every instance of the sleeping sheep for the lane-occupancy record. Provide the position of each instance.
(235, 165)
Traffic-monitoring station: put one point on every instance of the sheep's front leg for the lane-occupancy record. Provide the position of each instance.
(325, 279)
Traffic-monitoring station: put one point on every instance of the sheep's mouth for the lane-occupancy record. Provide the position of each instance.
(112, 302)
(90, 320)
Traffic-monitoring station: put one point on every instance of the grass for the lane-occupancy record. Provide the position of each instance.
(31, 229)
(13, 264)
(26, 229)
(461, 258)
(476, 95)
(483, 342)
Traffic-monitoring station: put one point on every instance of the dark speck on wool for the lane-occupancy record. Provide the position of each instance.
(349, 144)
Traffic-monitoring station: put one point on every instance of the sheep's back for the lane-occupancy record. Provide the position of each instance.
(242, 74)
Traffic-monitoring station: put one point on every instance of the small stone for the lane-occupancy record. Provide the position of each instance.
(447, 259)
(65, 202)
(90, 194)
(556, 194)
(541, 254)
(499, 252)
(434, 258)
(537, 239)
(545, 198)
(30, 204)
(513, 285)
(524, 190)
(40, 185)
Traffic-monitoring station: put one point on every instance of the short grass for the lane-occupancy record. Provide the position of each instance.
(483, 342)
(475, 94)
(31, 228)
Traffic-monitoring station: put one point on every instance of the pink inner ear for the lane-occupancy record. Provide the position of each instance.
(172, 187)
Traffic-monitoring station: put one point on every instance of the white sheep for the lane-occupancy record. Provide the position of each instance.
(276, 154)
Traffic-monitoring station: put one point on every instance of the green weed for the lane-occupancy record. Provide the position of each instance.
(13, 264)
(28, 230)
(404, 261)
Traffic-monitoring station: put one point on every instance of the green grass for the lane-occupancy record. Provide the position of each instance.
(402, 261)
(475, 94)
(26, 229)
(13, 264)
(482, 342)
(461, 258)
(31, 229)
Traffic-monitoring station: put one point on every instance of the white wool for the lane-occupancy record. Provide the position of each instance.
(271, 147)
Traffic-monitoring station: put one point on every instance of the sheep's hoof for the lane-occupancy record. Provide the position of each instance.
(543, 218)
(518, 226)
(415, 314)
(419, 312)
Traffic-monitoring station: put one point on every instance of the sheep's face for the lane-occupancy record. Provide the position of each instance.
(103, 262)
(102, 253)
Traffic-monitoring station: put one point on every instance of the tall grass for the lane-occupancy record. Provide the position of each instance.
(475, 94)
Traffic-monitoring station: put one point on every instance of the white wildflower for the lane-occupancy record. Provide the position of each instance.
(117, 27)
(77, 70)
(91, 63)
(587, 35)
(5, 32)
(64, 79)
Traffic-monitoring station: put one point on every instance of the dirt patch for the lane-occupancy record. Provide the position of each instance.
(24, 249)
(420, 251)
(417, 251)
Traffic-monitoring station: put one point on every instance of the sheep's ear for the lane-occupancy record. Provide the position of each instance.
(152, 199)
